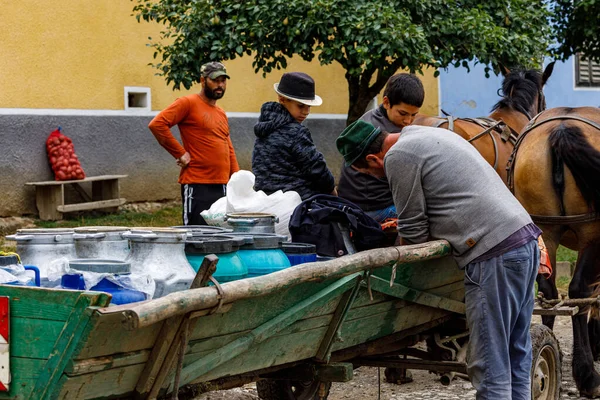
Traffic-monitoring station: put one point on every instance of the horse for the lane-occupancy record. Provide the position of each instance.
(494, 136)
(555, 174)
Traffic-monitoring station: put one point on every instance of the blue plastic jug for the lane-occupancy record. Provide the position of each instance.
(230, 266)
(300, 253)
(120, 294)
(7, 262)
(262, 253)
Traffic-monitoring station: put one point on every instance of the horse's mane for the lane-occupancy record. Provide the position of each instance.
(519, 90)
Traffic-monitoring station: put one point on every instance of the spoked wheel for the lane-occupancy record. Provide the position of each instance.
(546, 368)
(291, 390)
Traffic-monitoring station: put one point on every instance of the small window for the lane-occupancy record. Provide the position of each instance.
(587, 71)
(137, 99)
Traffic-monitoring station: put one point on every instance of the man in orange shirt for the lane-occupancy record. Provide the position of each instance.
(207, 158)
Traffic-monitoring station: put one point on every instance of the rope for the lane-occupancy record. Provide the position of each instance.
(10, 253)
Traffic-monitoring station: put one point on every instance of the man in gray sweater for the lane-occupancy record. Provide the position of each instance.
(444, 189)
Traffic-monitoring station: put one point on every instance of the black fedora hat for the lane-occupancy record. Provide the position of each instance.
(298, 86)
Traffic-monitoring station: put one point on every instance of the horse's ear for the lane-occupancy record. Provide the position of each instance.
(547, 72)
(505, 71)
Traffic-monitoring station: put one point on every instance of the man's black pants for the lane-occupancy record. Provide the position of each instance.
(197, 197)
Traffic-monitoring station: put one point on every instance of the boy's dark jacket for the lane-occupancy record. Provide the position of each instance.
(285, 157)
(315, 221)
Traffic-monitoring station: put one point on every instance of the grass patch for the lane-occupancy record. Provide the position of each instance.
(169, 216)
(564, 254)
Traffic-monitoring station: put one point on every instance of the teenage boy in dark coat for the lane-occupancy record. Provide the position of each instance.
(285, 157)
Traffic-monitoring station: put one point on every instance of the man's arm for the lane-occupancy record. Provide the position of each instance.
(404, 175)
(312, 164)
(161, 125)
(233, 164)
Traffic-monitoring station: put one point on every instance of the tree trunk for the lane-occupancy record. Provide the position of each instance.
(361, 94)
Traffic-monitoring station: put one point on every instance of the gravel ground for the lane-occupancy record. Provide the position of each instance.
(425, 386)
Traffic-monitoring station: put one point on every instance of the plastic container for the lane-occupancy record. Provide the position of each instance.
(262, 253)
(10, 264)
(102, 242)
(230, 266)
(117, 268)
(300, 253)
(40, 247)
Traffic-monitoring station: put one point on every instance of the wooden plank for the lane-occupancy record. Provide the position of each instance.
(47, 199)
(98, 364)
(110, 337)
(111, 383)
(42, 303)
(88, 179)
(34, 338)
(65, 346)
(92, 205)
(562, 311)
(417, 296)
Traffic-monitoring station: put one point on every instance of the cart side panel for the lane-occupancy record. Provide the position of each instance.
(37, 322)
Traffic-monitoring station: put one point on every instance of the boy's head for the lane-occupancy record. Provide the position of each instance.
(296, 92)
(402, 98)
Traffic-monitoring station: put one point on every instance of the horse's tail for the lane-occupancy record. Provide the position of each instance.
(570, 147)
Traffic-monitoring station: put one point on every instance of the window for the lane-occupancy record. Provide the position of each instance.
(137, 98)
(587, 72)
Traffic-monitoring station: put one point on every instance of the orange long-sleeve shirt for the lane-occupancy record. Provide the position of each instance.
(204, 132)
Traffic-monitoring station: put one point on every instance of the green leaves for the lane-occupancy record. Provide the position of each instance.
(368, 38)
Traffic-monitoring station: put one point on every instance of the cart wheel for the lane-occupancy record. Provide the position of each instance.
(546, 374)
(291, 390)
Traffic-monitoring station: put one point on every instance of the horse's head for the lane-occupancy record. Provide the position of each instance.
(523, 90)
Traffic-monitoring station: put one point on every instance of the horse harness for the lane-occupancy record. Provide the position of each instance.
(507, 134)
(510, 167)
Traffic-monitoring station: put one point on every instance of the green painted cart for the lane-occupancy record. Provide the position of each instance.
(294, 331)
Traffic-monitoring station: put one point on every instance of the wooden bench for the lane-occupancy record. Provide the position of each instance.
(50, 196)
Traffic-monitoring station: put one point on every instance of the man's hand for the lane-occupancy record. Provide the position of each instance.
(184, 160)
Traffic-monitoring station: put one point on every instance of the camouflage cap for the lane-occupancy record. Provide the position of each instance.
(213, 70)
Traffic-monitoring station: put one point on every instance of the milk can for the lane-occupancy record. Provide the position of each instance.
(252, 222)
(262, 253)
(203, 229)
(40, 247)
(160, 252)
(102, 242)
(230, 266)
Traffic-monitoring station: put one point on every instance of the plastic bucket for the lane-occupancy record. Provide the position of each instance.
(300, 253)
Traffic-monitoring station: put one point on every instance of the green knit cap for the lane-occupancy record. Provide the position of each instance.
(355, 139)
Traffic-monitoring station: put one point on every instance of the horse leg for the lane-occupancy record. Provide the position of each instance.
(548, 286)
(586, 272)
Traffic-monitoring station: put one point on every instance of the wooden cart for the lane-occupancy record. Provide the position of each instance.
(293, 331)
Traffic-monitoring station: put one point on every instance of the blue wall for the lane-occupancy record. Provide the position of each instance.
(471, 94)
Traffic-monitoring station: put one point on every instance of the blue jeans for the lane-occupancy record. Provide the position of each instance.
(382, 215)
(499, 303)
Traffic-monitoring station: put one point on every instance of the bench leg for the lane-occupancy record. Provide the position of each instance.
(106, 190)
(47, 199)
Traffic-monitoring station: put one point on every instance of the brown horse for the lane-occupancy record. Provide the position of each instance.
(557, 179)
(494, 136)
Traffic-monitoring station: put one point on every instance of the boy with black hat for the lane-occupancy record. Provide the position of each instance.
(206, 158)
(444, 189)
(285, 157)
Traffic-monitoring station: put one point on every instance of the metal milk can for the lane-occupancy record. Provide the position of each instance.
(252, 222)
(40, 247)
(160, 252)
(102, 242)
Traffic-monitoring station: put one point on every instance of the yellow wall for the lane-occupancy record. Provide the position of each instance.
(74, 54)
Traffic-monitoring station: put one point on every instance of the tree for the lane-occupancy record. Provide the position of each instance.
(370, 39)
(577, 28)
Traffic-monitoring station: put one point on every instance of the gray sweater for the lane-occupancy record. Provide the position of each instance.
(444, 189)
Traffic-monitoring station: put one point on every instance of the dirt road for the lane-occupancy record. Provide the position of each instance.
(425, 386)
